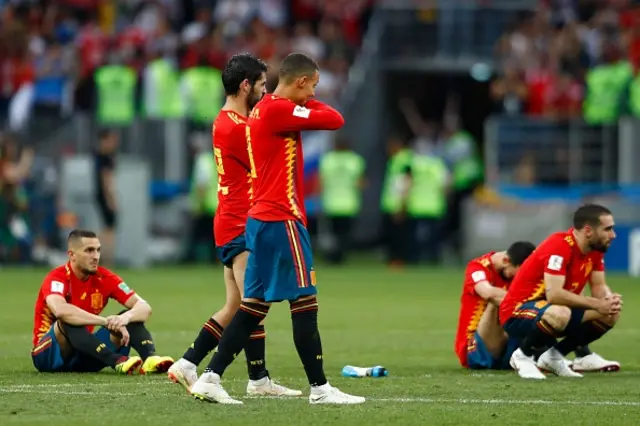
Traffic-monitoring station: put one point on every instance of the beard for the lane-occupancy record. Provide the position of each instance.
(253, 99)
(88, 271)
(600, 247)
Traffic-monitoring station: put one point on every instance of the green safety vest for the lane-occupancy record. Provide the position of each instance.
(205, 93)
(209, 203)
(468, 169)
(167, 99)
(634, 97)
(391, 201)
(606, 85)
(116, 87)
(340, 174)
(427, 196)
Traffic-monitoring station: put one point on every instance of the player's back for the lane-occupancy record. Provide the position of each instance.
(234, 179)
(277, 165)
(472, 306)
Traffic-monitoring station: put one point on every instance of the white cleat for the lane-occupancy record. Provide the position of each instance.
(553, 362)
(209, 389)
(327, 394)
(267, 387)
(183, 373)
(593, 363)
(525, 366)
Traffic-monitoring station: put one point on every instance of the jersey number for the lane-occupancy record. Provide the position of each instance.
(220, 168)
(250, 152)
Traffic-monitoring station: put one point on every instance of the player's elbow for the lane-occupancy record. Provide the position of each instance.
(339, 122)
(554, 296)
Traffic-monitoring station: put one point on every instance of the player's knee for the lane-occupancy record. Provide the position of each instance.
(557, 317)
(304, 304)
(610, 320)
(254, 300)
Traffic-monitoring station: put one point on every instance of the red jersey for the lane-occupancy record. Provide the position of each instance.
(275, 154)
(234, 177)
(559, 254)
(91, 295)
(472, 306)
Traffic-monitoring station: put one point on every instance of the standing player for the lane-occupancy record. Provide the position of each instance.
(244, 79)
(280, 259)
(68, 307)
(544, 301)
(481, 342)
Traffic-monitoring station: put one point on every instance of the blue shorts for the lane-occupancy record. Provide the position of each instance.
(479, 357)
(47, 356)
(280, 264)
(229, 251)
(524, 319)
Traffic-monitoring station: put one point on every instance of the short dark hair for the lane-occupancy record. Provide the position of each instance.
(519, 251)
(239, 68)
(297, 65)
(589, 214)
(78, 234)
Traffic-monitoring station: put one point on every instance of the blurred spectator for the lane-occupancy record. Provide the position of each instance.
(15, 236)
(509, 92)
(104, 182)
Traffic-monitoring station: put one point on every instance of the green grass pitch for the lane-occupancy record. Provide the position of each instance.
(404, 320)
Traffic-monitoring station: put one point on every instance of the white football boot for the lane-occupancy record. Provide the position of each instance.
(525, 366)
(184, 373)
(327, 394)
(208, 388)
(267, 387)
(553, 362)
(593, 363)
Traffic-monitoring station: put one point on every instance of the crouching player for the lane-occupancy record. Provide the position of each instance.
(68, 307)
(480, 341)
(544, 301)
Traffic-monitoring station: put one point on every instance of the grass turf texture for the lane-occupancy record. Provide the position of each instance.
(369, 315)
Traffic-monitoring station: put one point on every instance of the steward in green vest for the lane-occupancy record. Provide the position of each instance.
(162, 98)
(203, 94)
(116, 89)
(341, 180)
(204, 201)
(607, 85)
(461, 152)
(634, 96)
(427, 205)
(392, 201)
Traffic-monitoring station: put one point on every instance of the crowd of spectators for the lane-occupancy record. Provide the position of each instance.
(545, 55)
(50, 49)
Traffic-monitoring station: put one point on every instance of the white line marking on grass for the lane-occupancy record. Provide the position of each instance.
(42, 389)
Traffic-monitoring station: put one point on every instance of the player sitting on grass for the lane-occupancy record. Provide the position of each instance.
(68, 307)
(481, 342)
(280, 264)
(244, 79)
(544, 301)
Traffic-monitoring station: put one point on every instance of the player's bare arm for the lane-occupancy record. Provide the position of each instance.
(138, 311)
(557, 295)
(70, 314)
(488, 292)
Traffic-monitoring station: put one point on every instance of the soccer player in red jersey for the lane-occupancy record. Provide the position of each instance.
(280, 258)
(544, 301)
(244, 79)
(480, 341)
(68, 307)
